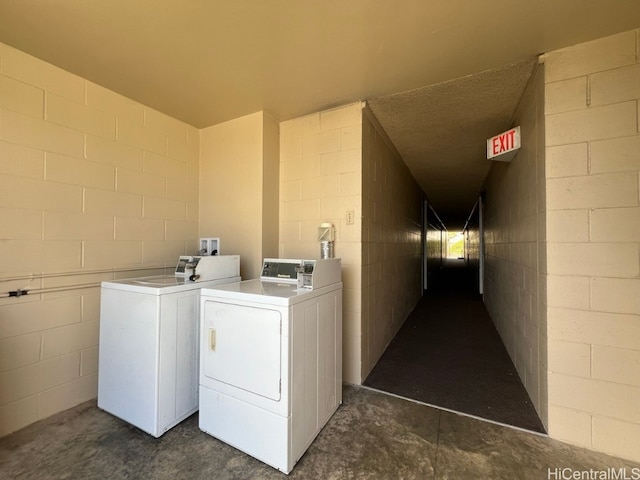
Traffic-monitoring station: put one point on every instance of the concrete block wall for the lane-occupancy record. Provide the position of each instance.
(90, 182)
(472, 244)
(239, 160)
(515, 256)
(436, 247)
(320, 180)
(593, 233)
(392, 205)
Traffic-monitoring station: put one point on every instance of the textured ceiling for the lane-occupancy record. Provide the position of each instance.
(447, 152)
(206, 62)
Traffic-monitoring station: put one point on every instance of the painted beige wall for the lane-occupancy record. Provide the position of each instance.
(391, 242)
(514, 219)
(320, 179)
(239, 188)
(593, 235)
(90, 181)
(326, 159)
(270, 187)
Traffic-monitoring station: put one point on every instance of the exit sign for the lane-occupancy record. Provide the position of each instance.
(503, 147)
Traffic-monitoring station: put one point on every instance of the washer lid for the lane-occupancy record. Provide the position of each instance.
(158, 281)
(161, 284)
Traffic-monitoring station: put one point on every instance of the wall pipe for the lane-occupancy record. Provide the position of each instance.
(26, 291)
(80, 272)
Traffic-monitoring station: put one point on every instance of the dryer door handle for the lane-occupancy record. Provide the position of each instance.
(212, 339)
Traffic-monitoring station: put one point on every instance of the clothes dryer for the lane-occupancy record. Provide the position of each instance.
(271, 359)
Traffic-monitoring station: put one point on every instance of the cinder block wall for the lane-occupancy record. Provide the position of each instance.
(239, 167)
(436, 247)
(391, 242)
(593, 234)
(472, 245)
(320, 180)
(90, 181)
(514, 233)
(339, 160)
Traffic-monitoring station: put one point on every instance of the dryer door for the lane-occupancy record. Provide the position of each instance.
(241, 346)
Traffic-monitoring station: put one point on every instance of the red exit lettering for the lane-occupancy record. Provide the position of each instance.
(503, 143)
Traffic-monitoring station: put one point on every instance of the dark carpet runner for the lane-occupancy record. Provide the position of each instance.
(449, 354)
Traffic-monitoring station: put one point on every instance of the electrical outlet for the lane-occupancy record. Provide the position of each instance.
(350, 217)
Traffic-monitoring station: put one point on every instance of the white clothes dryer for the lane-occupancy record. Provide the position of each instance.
(271, 359)
(148, 348)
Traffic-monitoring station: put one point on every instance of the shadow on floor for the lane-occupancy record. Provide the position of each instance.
(449, 354)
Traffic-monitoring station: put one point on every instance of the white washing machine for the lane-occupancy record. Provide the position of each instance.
(271, 359)
(148, 358)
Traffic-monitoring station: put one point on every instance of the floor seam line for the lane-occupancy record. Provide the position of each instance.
(456, 412)
(435, 460)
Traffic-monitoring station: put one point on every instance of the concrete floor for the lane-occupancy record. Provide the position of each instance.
(371, 436)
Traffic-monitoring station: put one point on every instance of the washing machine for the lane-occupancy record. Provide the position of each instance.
(148, 348)
(271, 359)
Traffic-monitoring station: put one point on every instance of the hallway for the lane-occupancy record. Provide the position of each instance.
(448, 354)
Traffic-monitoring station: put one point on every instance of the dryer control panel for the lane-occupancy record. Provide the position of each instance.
(307, 274)
(280, 269)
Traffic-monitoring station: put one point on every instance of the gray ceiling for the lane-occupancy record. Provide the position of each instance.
(441, 130)
(440, 75)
